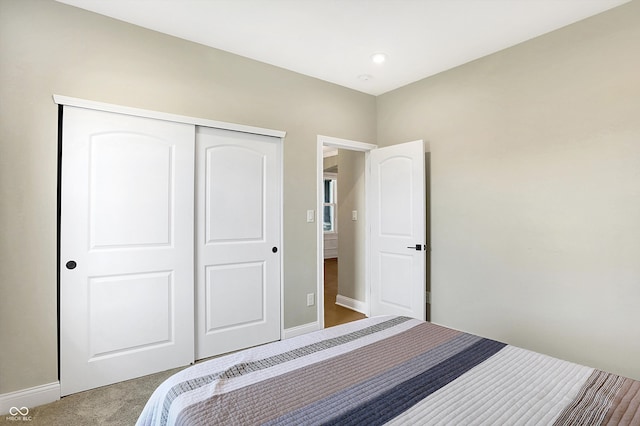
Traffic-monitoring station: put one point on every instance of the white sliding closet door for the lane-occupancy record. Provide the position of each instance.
(126, 273)
(237, 240)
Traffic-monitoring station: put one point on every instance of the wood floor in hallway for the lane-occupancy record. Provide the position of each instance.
(335, 314)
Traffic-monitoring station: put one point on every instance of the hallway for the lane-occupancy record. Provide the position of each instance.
(335, 314)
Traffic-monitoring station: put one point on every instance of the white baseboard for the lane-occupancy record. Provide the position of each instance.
(31, 397)
(353, 304)
(300, 330)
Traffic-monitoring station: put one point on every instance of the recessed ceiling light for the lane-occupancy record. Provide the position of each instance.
(378, 58)
(365, 77)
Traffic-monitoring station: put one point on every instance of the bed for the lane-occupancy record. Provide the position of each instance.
(391, 370)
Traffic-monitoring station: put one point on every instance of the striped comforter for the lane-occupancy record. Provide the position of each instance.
(392, 370)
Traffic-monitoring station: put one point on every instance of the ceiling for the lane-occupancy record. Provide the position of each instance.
(333, 40)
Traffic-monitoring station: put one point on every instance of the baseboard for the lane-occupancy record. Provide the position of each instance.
(300, 330)
(353, 304)
(31, 397)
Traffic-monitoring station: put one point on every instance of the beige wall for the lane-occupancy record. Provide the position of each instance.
(535, 183)
(47, 48)
(351, 246)
(329, 162)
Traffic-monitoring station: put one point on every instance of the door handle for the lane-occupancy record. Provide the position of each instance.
(417, 247)
(71, 264)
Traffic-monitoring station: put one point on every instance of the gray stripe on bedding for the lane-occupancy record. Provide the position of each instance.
(341, 402)
(248, 367)
(593, 401)
(397, 400)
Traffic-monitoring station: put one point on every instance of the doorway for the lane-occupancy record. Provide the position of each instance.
(342, 291)
(343, 198)
(394, 250)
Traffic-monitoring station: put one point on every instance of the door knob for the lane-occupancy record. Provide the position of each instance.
(275, 249)
(71, 264)
(416, 247)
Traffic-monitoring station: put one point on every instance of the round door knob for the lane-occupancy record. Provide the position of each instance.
(71, 264)
(275, 249)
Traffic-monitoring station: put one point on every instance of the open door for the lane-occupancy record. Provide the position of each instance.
(397, 213)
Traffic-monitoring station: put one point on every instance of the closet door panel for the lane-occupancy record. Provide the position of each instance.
(235, 179)
(141, 215)
(243, 304)
(126, 273)
(238, 227)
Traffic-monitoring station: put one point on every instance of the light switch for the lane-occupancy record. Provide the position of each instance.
(311, 215)
(354, 215)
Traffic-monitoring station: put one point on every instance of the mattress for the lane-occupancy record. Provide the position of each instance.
(392, 370)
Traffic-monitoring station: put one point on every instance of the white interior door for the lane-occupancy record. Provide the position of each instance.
(126, 273)
(237, 240)
(398, 255)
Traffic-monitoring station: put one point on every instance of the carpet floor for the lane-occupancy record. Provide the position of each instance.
(119, 404)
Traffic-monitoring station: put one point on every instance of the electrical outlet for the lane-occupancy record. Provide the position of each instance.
(354, 215)
(310, 299)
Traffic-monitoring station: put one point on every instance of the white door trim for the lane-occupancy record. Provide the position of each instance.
(138, 112)
(353, 146)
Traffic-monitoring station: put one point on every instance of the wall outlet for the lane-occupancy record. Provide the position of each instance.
(354, 215)
(311, 299)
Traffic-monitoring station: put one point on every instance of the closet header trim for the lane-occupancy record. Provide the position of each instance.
(138, 112)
